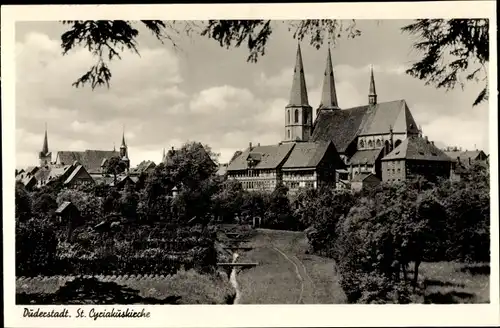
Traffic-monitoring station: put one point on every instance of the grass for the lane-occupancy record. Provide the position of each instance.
(189, 287)
(452, 282)
(275, 281)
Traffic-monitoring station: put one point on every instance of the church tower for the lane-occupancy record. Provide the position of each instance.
(298, 113)
(372, 94)
(124, 151)
(329, 93)
(45, 156)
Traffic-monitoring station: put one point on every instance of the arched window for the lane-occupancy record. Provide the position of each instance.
(296, 116)
(387, 147)
(361, 144)
(288, 133)
(379, 143)
(288, 119)
(398, 142)
(370, 144)
(304, 118)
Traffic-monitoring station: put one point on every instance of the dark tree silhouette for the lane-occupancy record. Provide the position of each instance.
(115, 166)
(455, 51)
(107, 39)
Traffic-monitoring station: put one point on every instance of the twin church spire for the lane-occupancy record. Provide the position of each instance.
(298, 121)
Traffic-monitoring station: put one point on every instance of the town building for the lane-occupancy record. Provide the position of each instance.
(415, 156)
(365, 181)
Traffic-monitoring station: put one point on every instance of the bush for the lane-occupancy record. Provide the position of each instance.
(36, 245)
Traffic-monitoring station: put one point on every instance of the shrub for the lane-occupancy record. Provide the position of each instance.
(36, 245)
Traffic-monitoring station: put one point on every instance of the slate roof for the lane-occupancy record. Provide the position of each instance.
(52, 173)
(368, 156)
(339, 126)
(110, 180)
(464, 155)
(144, 165)
(272, 156)
(90, 159)
(417, 148)
(74, 173)
(308, 155)
(343, 126)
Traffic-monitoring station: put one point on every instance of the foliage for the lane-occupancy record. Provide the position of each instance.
(129, 202)
(36, 245)
(228, 200)
(88, 204)
(44, 205)
(115, 166)
(452, 48)
(106, 40)
(23, 201)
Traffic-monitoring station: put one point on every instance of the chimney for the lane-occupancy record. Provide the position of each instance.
(432, 142)
(469, 161)
(250, 145)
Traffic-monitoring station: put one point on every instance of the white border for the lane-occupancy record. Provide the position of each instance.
(250, 315)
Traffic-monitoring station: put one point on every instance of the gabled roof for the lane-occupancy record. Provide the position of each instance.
(90, 159)
(343, 126)
(144, 165)
(362, 157)
(465, 155)
(79, 169)
(52, 173)
(310, 154)
(272, 157)
(381, 117)
(417, 148)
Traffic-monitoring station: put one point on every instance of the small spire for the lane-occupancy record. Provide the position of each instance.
(124, 145)
(114, 147)
(372, 94)
(329, 93)
(298, 94)
(163, 155)
(45, 148)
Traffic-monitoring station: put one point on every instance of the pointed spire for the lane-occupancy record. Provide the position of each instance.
(298, 94)
(124, 145)
(45, 148)
(329, 93)
(163, 155)
(372, 94)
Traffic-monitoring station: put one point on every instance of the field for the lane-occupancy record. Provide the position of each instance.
(285, 274)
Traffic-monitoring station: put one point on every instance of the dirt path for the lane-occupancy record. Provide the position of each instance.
(286, 274)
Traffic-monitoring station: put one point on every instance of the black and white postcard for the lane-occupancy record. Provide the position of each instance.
(250, 165)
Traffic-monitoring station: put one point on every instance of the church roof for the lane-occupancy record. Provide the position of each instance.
(417, 148)
(339, 126)
(298, 94)
(271, 157)
(368, 156)
(343, 126)
(381, 117)
(90, 159)
(75, 172)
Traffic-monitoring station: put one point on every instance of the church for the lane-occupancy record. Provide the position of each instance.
(337, 145)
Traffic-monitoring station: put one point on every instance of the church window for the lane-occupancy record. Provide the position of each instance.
(387, 147)
(288, 132)
(296, 116)
(288, 119)
(361, 144)
(398, 142)
(379, 143)
(304, 119)
(370, 144)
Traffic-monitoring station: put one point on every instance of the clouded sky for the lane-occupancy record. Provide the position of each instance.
(202, 92)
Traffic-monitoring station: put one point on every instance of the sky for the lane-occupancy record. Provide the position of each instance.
(200, 91)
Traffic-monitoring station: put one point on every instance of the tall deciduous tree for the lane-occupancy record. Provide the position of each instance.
(115, 166)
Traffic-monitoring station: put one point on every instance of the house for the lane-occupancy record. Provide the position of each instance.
(415, 156)
(364, 181)
(78, 176)
(67, 213)
(109, 180)
(143, 167)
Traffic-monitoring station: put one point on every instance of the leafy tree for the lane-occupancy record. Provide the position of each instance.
(228, 200)
(129, 202)
(105, 40)
(23, 202)
(455, 51)
(44, 204)
(88, 204)
(115, 166)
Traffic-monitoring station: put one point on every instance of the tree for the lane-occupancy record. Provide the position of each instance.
(23, 202)
(115, 166)
(452, 49)
(105, 40)
(44, 204)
